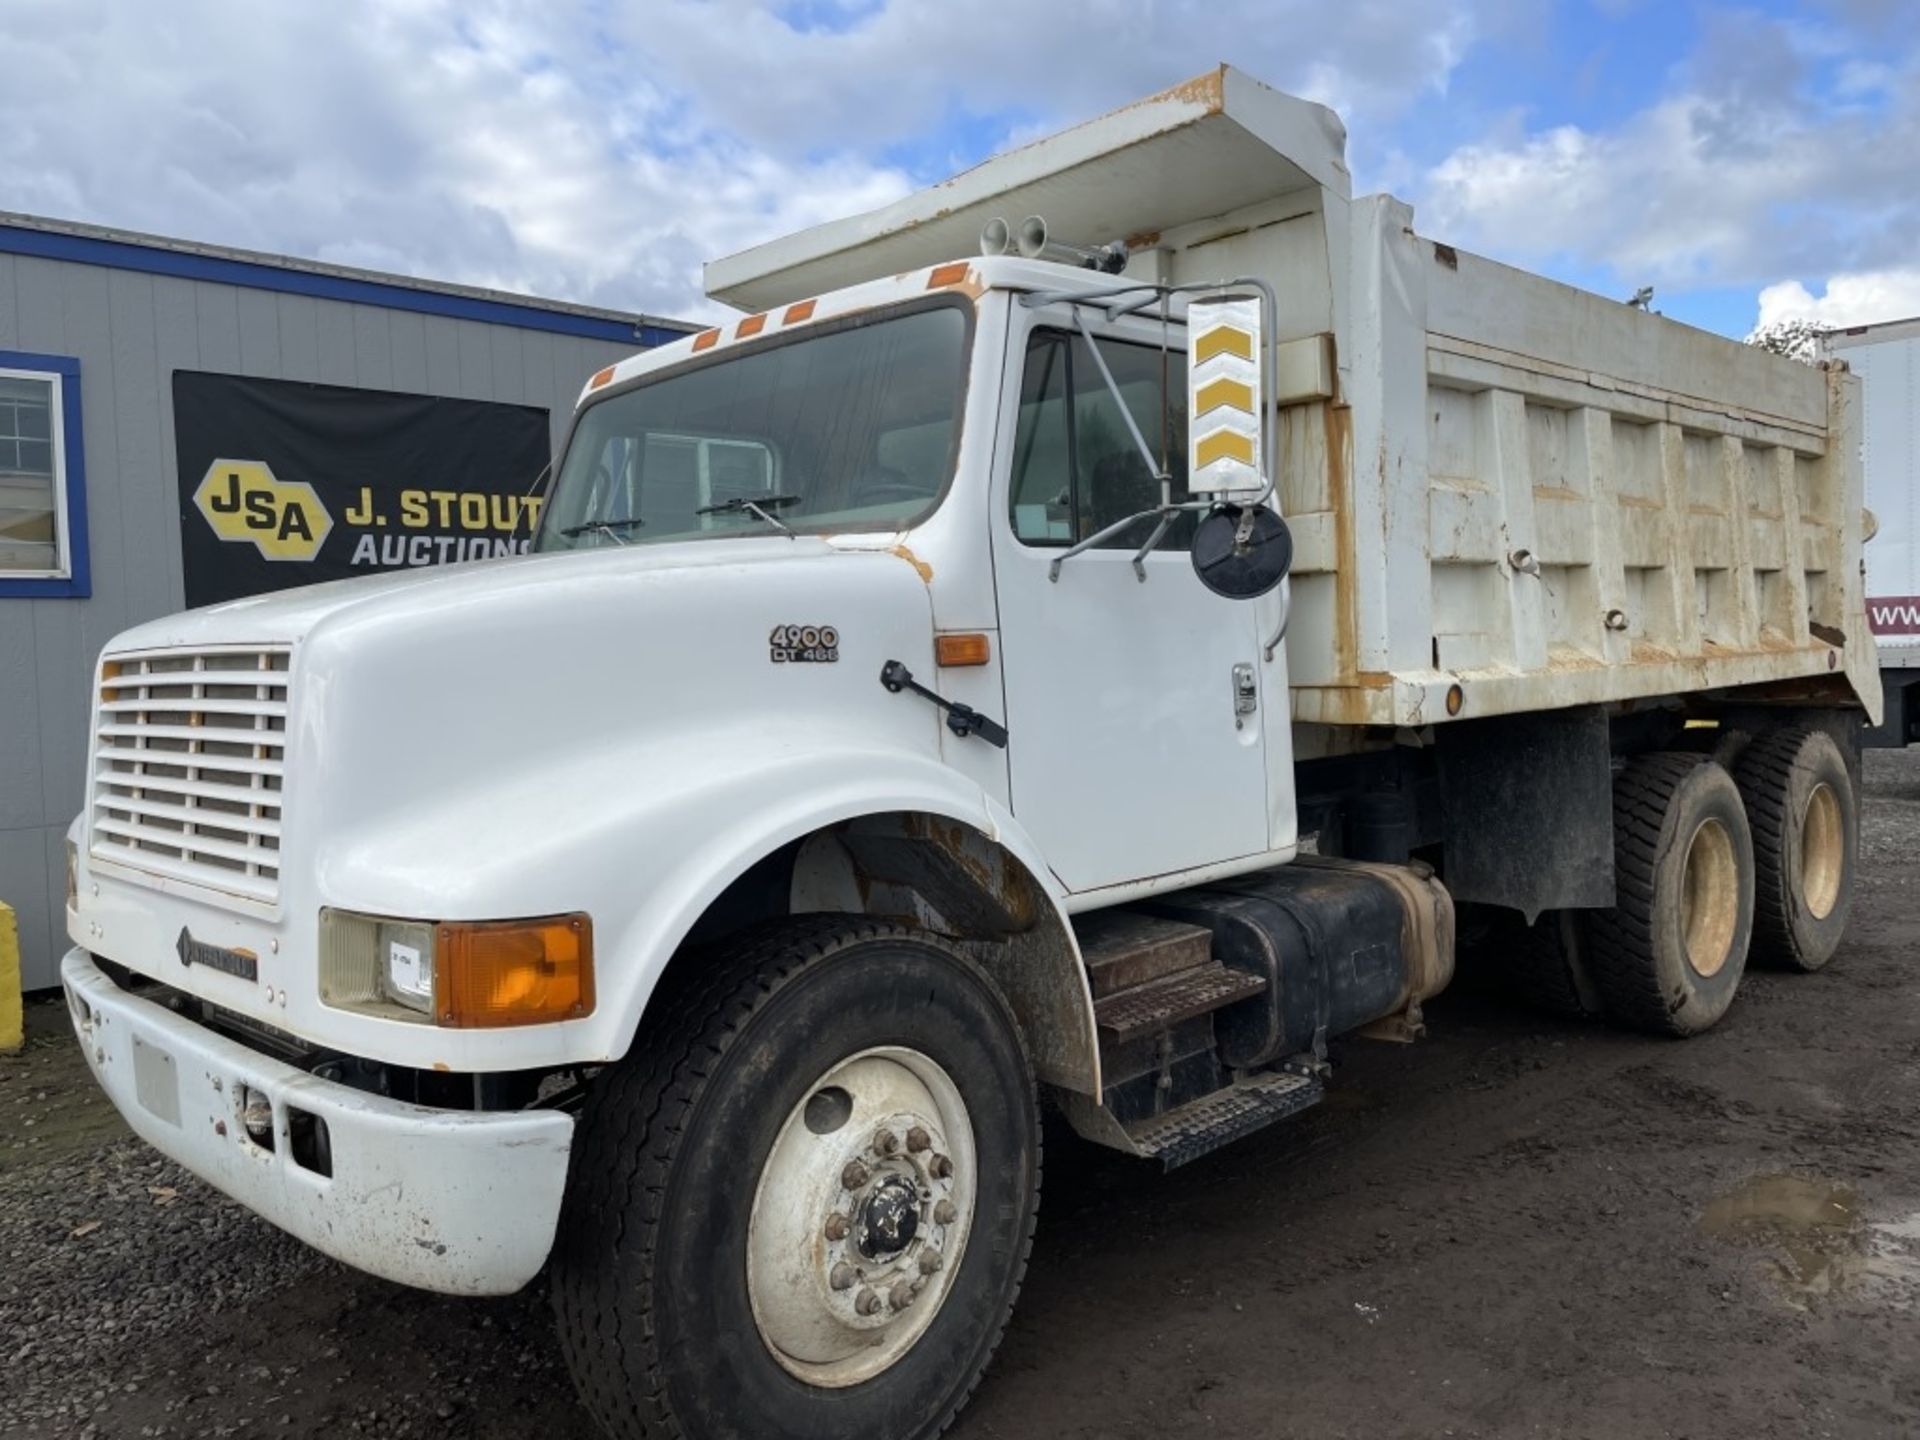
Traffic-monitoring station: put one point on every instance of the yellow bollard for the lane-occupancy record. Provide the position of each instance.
(11, 1033)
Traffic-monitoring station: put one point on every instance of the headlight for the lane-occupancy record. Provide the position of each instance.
(376, 965)
(458, 973)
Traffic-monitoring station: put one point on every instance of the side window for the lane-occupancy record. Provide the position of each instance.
(1076, 469)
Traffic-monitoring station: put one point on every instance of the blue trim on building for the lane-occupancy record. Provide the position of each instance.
(79, 581)
(224, 270)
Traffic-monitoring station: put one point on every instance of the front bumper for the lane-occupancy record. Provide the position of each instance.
(463, 1202)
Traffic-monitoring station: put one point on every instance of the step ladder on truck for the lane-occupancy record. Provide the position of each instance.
(1092, 632)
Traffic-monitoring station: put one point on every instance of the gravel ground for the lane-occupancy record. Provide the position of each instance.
(1511, 1229)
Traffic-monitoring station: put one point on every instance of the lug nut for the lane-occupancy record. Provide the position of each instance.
(918, 1140)
(940, 1167)
(867, 1302)
(886, 1142)
(842, 1277)
(901, 1295)
(930, 1262)
(944, 1213)
(855, 1175)
(837, 1226)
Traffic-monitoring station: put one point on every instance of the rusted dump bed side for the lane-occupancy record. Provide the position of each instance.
(1565, 501)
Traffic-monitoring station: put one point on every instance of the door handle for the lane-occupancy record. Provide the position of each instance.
(1246, 694)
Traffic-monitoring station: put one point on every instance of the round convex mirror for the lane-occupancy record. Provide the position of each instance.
(1242, 556)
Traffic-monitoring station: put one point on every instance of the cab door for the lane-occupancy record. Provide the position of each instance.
(1133, 704)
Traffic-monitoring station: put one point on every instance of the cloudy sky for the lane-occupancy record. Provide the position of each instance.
(1751, 162)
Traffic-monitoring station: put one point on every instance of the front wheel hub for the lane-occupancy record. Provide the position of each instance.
(855, 1239)
(889, 1218)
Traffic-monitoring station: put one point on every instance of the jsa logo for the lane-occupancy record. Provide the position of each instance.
(243, 500)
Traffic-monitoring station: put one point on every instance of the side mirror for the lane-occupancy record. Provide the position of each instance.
(1242, 549)
(1242, 552)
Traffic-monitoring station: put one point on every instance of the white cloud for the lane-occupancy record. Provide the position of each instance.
(1743, 173)
(901, 67)
(1866, 298)
(600, 150)
(432, 137)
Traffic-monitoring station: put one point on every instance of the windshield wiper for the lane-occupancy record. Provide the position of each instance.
(741, 503)
(612, 528)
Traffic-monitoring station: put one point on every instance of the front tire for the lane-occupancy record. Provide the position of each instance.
(723, 1269)
(1669, 954)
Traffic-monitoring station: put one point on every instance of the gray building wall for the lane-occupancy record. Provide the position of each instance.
(130, 332)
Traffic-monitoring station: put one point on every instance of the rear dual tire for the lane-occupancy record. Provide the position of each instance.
(1668, 956)
(1800, 801)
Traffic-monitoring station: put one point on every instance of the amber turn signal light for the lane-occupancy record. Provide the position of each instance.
(953, 650)
(514, 972)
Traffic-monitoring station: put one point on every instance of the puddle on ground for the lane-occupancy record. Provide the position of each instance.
(1816, 1236)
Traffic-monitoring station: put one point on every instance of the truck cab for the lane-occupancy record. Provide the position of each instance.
(912, 708)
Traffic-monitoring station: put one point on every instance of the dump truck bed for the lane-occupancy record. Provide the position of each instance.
(1549, 498)
(1507, 494)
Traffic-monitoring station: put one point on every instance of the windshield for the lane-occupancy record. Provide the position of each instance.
(845, 430)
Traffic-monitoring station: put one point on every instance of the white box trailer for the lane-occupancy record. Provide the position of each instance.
(884, 733)
(1886, 358)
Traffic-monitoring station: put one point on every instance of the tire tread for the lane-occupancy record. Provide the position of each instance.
(1765, 776)
(1621, 939)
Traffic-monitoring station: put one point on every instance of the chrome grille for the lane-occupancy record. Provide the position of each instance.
(187, 764)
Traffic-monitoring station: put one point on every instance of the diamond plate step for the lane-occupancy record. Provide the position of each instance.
(1144, 1009)
(1123, 948)
(1218, 1119)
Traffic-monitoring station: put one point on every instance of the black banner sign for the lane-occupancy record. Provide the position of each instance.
(284, 483)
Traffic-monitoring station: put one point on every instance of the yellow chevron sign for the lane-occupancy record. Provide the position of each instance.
(1224, 383)
(1223, 340)
(1224, 445)
(1223, 391)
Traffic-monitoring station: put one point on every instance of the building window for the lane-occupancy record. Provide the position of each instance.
(43, 512)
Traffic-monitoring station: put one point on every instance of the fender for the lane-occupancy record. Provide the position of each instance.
(647, 861)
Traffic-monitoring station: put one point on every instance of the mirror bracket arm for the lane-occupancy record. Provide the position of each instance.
(1166, 512)
(1152, 542)
(1113, 389)
(1286, 614)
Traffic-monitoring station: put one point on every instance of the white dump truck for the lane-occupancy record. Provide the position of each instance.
(1886, 358)
(1092, 671)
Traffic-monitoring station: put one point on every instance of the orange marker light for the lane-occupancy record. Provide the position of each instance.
(514, 972)
(752, 325)
(944, 275)
(705, 340)
(600, 377)
(796, 313)
(952, 650)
